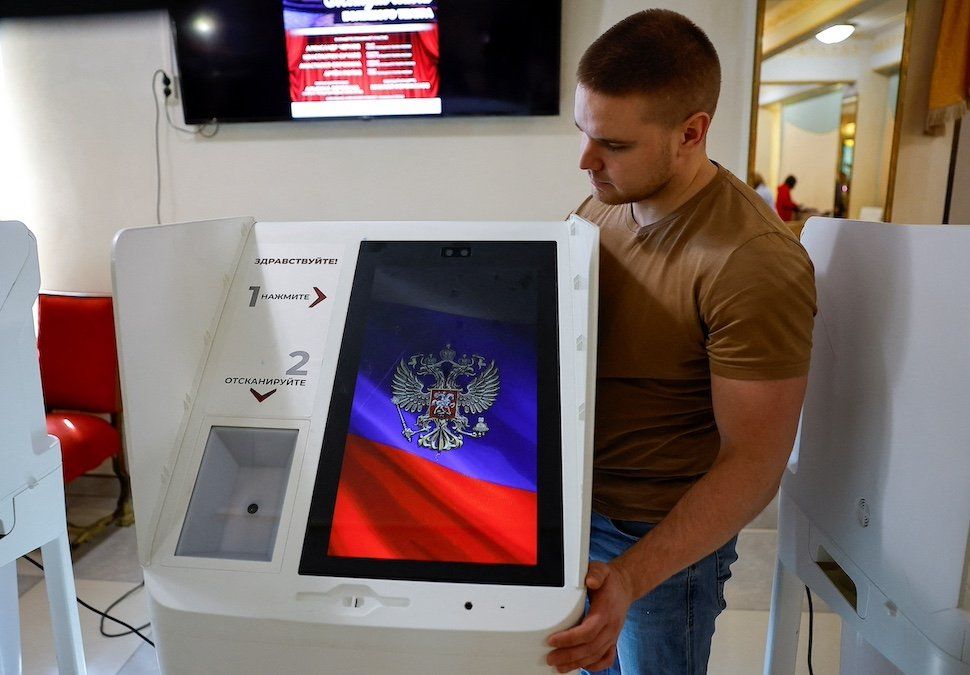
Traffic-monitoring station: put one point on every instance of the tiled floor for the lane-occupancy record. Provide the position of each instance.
(109, 567)
(101, 654)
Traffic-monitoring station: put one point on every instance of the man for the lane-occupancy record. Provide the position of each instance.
(784, 204)
(706, 311)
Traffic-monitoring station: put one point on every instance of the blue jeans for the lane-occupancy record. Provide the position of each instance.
(669, 630)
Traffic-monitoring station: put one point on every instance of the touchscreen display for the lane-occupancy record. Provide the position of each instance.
(441, 456)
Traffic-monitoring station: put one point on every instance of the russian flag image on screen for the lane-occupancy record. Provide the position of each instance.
(441, 455)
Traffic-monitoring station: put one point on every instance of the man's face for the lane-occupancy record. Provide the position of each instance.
(627, 152)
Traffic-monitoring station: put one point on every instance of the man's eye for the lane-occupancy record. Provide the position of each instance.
(616, 147)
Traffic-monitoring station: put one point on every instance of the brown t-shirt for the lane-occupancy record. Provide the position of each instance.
(718, 286)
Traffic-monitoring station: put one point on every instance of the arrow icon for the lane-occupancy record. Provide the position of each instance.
(320, 297)
(262, 397)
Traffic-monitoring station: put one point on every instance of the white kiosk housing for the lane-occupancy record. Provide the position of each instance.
(875, 506)
(359, 447)
(31, 483)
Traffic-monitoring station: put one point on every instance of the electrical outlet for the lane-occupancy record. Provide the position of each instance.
(173, 98)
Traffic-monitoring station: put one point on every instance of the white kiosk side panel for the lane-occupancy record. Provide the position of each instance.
(875, 514)
(166, 312)
(23, 441)
(31, 483)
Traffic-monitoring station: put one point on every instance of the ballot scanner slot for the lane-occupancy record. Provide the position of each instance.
(838, 576)
(237, 501)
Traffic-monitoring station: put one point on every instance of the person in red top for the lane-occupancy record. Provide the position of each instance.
(784, 205)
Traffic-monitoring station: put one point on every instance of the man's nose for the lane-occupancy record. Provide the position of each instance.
(589, 159)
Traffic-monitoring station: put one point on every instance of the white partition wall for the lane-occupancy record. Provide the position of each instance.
(31, 482)
(359, 444)
(875, 506)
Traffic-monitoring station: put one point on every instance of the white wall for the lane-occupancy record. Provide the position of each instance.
(874, 124)
(767, 152)
(812, 61)
(80, 131)
(810, 148)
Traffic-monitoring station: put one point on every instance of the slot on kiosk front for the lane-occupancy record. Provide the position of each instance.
(373, 448)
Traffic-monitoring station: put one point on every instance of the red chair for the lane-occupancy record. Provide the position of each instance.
(79, 374)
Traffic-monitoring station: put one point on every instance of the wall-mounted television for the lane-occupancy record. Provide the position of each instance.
(266, 60)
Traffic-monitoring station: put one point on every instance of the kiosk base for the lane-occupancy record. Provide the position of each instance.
(230, 645)
(851, 594)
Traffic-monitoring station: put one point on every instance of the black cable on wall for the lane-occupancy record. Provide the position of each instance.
(207, 130)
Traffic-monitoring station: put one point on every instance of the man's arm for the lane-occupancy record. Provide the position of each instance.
(756, 420)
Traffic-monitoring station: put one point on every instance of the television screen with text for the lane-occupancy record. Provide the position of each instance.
(263, 60)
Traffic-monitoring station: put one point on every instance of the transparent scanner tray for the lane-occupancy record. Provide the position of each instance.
(235, 508)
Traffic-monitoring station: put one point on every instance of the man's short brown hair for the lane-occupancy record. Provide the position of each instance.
(659, 53)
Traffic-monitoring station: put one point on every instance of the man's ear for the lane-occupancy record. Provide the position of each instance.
(694, 131)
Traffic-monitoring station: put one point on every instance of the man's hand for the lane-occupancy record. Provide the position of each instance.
(745, 476)
(592, 644)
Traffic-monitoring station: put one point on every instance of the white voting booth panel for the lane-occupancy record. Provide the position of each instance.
(31, 482)
(300, 396)
(875, 507)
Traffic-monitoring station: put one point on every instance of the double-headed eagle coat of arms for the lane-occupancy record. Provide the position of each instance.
(464, 385)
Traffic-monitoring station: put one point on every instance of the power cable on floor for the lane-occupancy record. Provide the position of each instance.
(115, 604)
(103, 615)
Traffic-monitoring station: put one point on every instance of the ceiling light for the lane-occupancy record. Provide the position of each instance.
(204, 25)
(836, 33)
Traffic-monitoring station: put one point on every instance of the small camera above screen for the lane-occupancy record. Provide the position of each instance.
(456, 251)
